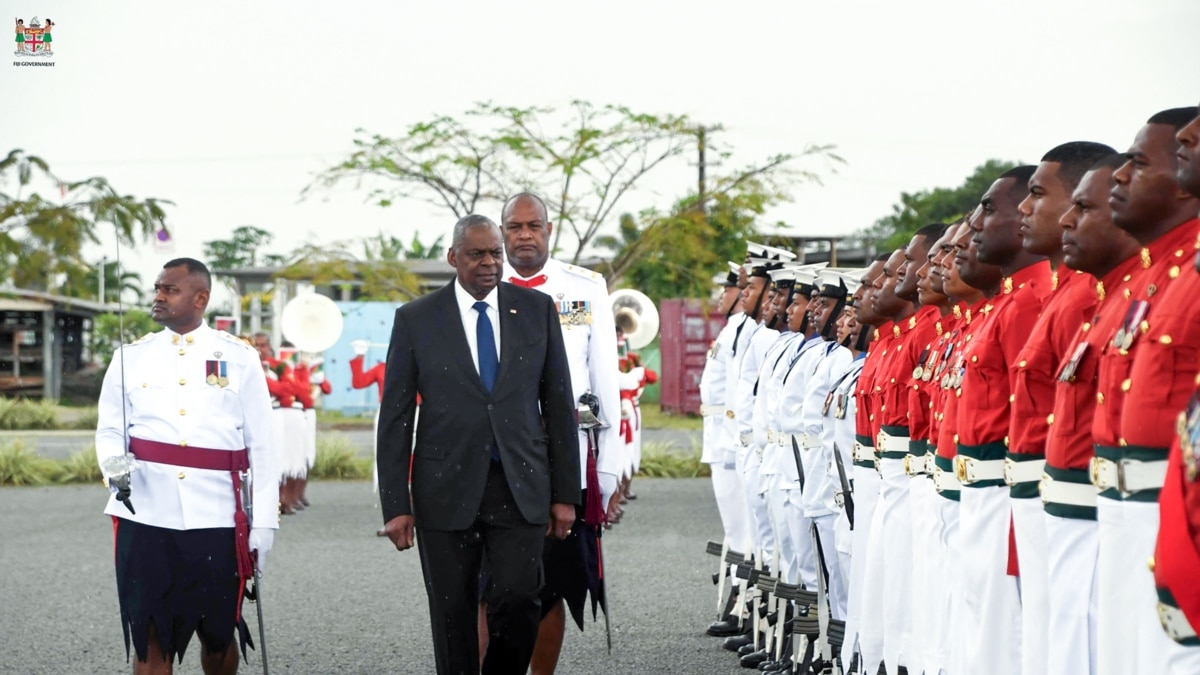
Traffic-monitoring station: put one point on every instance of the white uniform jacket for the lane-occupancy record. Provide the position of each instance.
(744, 402)
(791, 406)
(839, 427)
(590, 337)
(819, 488)
(770, 382)
(170, 398)
(713, 381)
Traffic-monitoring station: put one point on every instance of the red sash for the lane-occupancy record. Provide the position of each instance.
(233, 461)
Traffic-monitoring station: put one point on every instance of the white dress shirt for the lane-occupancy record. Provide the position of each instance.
(470, 318)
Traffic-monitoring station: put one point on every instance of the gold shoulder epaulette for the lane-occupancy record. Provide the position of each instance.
(230, 337)
(584, 272)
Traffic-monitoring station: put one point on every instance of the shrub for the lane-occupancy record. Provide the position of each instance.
(80, 467)
(663, 460)
(20, 466)
(337, 459)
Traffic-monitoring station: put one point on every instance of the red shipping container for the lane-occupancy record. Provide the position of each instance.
(689, 328)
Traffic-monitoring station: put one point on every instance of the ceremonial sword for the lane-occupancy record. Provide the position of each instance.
(248, 507)
(117, 469)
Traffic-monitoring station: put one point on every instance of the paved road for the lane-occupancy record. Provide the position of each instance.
(339, 600)
(61, 444)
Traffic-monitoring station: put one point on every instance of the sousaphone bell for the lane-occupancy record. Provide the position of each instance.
(636, 316)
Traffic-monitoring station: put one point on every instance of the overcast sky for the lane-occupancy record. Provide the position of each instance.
(229, 108)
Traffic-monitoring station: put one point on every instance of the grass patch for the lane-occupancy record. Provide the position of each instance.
(337, 459)
(664, 460)
(81, 419)
(653, 417)
(27, 414)
(80, 467)
(338, 418)
(20, 466)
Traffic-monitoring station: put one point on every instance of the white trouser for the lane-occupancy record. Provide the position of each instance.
(760, 520)
(870, 627)
(799, 524)
(777, 506)
(836, 587)
(1183, 660)
(991, 603)
(843, 538)
(946, 592)
(925, 574)
(1029, 527)
(1129, 616)
(866, 494)
(310, 436)
(735, 520)
(1072, 545)
(898, 564)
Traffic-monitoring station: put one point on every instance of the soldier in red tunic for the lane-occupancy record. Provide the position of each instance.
(1135, 397)
(1069, 305)
(1177, 555)
(1092, 244)
(991, 603)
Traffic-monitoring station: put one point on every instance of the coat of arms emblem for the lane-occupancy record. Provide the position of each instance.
(35, 38)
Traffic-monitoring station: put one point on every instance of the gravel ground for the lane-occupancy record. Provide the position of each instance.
(340, 600)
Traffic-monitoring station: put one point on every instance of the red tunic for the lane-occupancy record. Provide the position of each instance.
(1117, 358)
(915, 334)
(867, 393)
(1069, 443)
(951, 384)
(993, 353)
(1071, 304)
(936, 366)
(1166, 362)
(1177, 552)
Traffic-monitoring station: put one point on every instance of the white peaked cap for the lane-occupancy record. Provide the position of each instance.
(733, 267)
(783, 274)
(780, 253)
(755, 249)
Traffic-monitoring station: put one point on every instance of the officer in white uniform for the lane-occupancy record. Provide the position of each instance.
(821, 483)
(590, 336)
(195, 410)
(713, 381)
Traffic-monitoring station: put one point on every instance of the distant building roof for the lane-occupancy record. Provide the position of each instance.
(22, 300)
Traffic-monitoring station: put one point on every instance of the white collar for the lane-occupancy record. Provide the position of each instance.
(466, 301)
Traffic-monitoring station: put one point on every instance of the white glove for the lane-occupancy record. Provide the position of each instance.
(608, 487)
(261, 539)
(360, 347)
(317, 377)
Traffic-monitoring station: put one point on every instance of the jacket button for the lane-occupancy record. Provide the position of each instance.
(180, 475)
(182, 381)
(490, 406)
(182, 412)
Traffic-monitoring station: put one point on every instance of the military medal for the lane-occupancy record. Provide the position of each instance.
(1129, 327)
(1189, 437)
(828, 403)
(1067, 374)
(217, 373)
(840, 411)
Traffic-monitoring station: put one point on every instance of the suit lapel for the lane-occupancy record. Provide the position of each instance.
(509, 318)
(451, 323)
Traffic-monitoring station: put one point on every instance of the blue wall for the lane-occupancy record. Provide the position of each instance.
(371, 321)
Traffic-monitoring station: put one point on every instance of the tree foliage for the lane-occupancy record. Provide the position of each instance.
(117, 284)
(240, 250)
(387, 247)
(583, 161)
(677, 253)
(107, 335)
(331, 264)
(42, 238)
(938, 205)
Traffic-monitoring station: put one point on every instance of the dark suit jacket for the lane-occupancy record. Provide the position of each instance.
(529, 414)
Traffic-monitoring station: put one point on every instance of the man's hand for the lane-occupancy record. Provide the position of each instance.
(562, 516)
(261, 539)
(400, 531)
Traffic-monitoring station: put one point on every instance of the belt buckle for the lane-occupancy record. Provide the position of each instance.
(839, 499)
(1010, 468)
(729, 414)
(1094, 473)
(908, 465)
(960, 469)
(1165, 621)
(1042, 484)
(1121, 478)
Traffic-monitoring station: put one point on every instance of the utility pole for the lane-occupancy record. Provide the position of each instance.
(103, 266)
(702, 165)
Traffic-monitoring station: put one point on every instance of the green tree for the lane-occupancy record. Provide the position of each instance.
(42, 238)
(240, 250)
(387, 247)
(583, 161)
(117, 284)
(331, 264)
(938, 205)
(675, 254)
(107, 336)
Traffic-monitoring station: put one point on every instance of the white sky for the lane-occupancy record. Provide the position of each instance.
(229, 108)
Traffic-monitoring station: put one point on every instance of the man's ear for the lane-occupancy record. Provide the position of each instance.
(549, 229)
(451, 259)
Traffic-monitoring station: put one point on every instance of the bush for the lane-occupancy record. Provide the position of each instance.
(663, 460)
(81, 467)
(337, 459)
(20, 466)
(26, 414)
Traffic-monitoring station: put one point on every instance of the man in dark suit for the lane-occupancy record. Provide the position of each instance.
(495, 461)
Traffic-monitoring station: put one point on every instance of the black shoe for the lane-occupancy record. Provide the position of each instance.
(737, 642)
(724, 628)
(781, 667)
(747, 648)
(753, 659)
